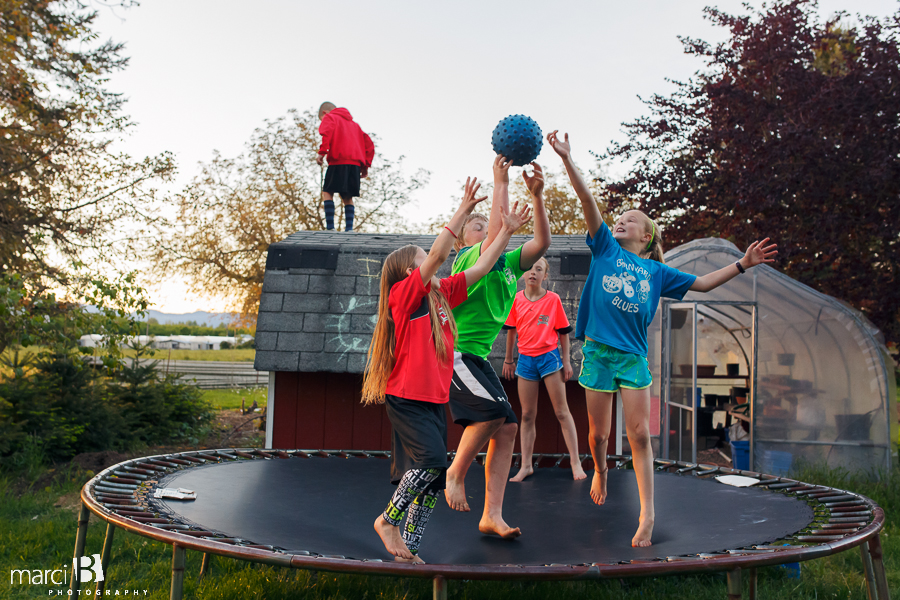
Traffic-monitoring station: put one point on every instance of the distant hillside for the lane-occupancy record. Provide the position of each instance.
(201, 317)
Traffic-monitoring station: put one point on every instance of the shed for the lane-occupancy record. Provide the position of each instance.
(316, 316)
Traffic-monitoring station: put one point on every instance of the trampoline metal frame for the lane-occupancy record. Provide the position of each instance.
(844, 520)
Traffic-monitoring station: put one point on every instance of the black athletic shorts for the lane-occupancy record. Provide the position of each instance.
(476, 394)
(343, 180)
(418, 437)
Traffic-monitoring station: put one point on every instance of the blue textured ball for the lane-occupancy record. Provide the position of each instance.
(518, 138)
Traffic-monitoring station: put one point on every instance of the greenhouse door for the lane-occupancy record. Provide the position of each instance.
(708, 375)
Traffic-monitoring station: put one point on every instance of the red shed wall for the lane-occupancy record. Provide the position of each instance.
(323, 411)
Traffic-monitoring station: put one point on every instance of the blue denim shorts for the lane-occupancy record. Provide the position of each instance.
(606, 369)
(535, 368)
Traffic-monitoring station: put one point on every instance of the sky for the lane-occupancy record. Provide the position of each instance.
(431, 79)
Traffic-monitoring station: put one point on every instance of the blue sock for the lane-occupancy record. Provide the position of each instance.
(329, 214)
(349, 209)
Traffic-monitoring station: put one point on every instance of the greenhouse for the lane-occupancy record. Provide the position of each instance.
(798, 377)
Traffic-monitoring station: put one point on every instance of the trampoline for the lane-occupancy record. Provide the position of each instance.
(314, 509)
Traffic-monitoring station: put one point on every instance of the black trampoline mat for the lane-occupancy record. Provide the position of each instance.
(328, 506)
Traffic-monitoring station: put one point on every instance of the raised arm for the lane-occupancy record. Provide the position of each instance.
(756, 254)
(500, 202)
(535, 248)
(593, 218)
(511, 222)
(441, 247)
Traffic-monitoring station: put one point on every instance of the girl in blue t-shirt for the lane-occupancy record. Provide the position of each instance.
(623, 288)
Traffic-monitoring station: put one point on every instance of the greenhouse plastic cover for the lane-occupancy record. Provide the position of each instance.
(835, 403)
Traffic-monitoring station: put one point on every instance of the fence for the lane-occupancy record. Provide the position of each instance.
(214, 374)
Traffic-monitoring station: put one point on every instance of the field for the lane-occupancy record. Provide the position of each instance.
(231, 355)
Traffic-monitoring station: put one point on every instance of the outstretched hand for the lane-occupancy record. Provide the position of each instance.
(501, 169)
(759, 253)
(534, 182)
(516, 217)
(469, 200)
(561, 147)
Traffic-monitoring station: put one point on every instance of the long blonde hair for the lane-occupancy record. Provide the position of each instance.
(654, 250)
(460, 242)
(381, 358)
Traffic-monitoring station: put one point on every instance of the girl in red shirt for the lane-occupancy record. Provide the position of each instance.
(538, 318)
(410, 366)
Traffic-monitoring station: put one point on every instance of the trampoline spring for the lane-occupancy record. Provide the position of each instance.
(675, 558)
(854, 516)
(848, 509)
(127, 474)
(282, 454)
(177, 461)
(334, 556)
(160, 463)
(115, 490)
(780, 486)
(208, 457)
(124, 480)
(119, 486)
(192, 459)
(301, 454)
(842, 498)
(819, 538)
(243, 454)
(687, 469)
(141, 471)
(149, 520)
(174, 526)
(114, 496)
(814, 492)
(113, 507)
(844, 520)
(751, 551)
(260, 547)
(199, 533)
(857, 525)
(834, 531)
(261, 453)
(845, 504)
(130, 513)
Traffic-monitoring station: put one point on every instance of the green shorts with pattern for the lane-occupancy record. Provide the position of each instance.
(606, 369)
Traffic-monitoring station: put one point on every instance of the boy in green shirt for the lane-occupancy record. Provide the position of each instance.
(477, 399)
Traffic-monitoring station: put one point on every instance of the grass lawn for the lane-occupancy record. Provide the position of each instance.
(231, 355)
(229, 399)
(37, 531)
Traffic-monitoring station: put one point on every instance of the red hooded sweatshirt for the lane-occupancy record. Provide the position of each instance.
(343, 141)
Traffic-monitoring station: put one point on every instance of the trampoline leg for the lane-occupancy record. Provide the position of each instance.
(204, 566)
(751, 575)
(734, 584)
(440, 588)
(80, 537)
(871, 589)
(104, 558)
(177, 572)
(878, 568)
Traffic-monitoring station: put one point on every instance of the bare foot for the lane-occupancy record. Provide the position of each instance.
(523, 473)
(598, 487)
(498, 527)
(414, 561)
(577, 472)
(456, 494)
(641, 539)
(390, 537)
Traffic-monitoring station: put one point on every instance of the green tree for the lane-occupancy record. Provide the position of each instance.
(66, 200)
(792, 131)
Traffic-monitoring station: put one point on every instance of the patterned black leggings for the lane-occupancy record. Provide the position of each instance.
(415, 497)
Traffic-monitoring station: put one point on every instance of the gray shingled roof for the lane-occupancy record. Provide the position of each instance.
(320, 296)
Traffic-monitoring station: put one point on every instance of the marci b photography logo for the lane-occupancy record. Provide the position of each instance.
(87, 568)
